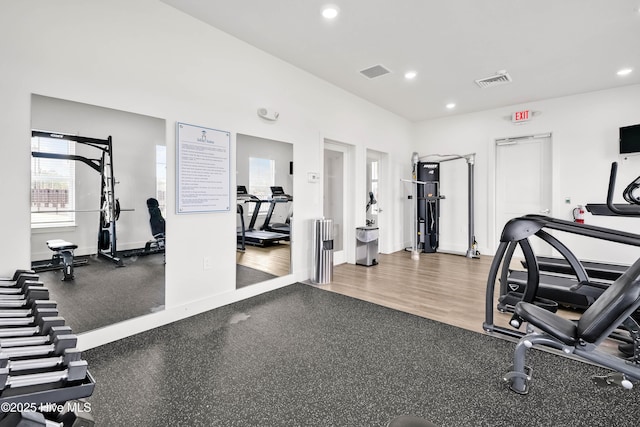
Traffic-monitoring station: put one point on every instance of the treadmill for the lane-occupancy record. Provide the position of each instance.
(568, 281)
(565, 290)
(277, 196)
(561, 284)
(251, 236)
(596, 270)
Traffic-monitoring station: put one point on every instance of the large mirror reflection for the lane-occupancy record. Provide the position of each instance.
(264, 173)
(98, 185)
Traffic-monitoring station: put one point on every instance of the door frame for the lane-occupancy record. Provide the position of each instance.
(383, 186)
(348, 230)
(497, 230)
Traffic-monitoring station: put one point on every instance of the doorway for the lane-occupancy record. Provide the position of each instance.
(523, 181)
(376, 191)
(337, 157)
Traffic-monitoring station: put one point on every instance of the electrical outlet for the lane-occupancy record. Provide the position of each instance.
(207, 263)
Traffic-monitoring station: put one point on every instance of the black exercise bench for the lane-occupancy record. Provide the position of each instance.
(62, 259)
(611, 311)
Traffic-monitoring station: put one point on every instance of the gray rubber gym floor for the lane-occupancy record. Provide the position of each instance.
(301, 356)
(102, 294)
(246, 276)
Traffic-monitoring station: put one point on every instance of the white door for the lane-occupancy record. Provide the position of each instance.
(376, 191)
(337, 157)
(523, 181)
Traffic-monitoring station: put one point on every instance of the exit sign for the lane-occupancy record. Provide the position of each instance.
(521, 116)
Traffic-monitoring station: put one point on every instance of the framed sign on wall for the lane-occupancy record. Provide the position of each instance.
(203, 169)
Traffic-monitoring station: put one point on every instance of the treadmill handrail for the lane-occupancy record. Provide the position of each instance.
(612, 188)
(630, 210)
(587, 230)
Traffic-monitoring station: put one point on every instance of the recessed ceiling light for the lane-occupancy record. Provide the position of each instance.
(330, 12)
(451, 106)
(624, 71)
(410, 75)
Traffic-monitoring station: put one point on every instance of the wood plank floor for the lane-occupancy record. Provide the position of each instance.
(443, 287)
(274, 259)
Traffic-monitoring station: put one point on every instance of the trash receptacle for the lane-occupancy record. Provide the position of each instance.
(322, 251)
(367, 246)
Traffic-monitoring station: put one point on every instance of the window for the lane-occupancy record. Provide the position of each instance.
(374, 185)
(52, 184)
(161, 178)
(262, 175)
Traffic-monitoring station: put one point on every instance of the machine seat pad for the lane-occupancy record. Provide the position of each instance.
(563, 329)
(60, 245)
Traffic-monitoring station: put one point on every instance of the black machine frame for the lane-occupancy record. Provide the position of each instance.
(428, 195)
(425, 202)
(109, 204)
(613, 315)
(518, 231)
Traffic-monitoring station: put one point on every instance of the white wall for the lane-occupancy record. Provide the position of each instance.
(147, 58)
(584, 143)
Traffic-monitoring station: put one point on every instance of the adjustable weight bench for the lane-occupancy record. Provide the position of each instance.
(157, 223)
(612, 310)
(63, 255)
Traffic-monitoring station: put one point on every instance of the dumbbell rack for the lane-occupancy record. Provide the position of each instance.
(39, 362)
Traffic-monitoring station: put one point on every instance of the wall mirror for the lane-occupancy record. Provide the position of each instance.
(264, 171)
(98, 184)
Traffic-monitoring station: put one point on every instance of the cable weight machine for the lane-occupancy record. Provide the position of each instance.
(426, 198)
(109, 205)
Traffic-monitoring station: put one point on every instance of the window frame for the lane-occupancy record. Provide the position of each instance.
(65, 213)
(261, 190)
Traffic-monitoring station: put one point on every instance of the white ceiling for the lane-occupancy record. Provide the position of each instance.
(550, 48)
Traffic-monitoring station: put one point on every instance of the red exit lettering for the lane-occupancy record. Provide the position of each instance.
(520, 116)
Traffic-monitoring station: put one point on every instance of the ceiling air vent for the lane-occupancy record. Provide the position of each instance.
(375, 71)
(500, 78)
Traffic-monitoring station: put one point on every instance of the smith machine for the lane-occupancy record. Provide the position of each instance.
(109, 205)
(426, 202)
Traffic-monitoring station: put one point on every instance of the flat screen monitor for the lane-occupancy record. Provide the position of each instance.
(630, 139)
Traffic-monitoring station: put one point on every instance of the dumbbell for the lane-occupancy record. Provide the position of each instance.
(64, 351)
(30, 294)
(23, 311)
(19, 280)
(36, 289)
(28, 302)
(38, 314)
(16, 274)
(68, 356)
(42, 326)
(56, 348)
(75, 371)
(20, 287)
(35, 339)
